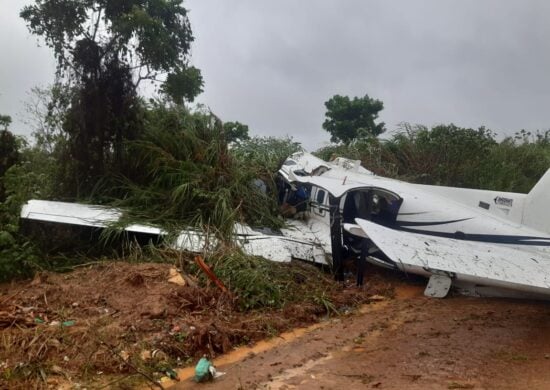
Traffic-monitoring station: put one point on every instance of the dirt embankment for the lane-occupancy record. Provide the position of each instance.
(124, 324)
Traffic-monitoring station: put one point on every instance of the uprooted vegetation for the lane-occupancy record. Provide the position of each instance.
(125, 322)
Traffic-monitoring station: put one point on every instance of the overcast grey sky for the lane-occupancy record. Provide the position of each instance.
(273, 64)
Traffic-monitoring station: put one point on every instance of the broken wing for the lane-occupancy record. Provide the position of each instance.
(493, 265)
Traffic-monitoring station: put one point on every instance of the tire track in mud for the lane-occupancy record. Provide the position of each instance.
(410, 342)
(293, 354)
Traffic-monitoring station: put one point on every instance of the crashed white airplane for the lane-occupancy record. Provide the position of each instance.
(486, 243)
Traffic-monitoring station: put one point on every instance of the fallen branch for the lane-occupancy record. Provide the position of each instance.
(206, 269)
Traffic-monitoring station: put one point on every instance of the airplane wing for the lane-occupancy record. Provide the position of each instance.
(80, 215)
(282, 247)
(473, 263)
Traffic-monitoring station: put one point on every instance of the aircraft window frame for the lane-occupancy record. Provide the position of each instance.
(372, 192)
(318, 204)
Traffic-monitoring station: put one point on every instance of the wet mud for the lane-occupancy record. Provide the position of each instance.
(410, 342)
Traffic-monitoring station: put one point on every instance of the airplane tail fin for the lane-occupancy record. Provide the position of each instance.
(536, 210)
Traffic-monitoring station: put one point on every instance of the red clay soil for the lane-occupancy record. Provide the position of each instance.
(131, 325)
(125, 324)
(410, 342)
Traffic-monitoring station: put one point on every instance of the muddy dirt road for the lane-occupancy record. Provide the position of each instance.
(407, 342)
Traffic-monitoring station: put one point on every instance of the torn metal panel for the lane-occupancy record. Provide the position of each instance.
(438, 286)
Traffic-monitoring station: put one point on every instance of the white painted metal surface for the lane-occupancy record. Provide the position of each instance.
(472, 262)
(80, 215)
(481, 240)
(291, 243)
(438, 286)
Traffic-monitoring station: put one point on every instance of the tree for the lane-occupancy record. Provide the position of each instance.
(149, 37)
(348, 119)
(5, 121)
(9, 151)
(235, 132)
(104, 50)
(45, 112)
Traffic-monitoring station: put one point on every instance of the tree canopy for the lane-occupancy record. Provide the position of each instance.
(348, 119)
(5, 121)
(148, 37)
(235, 131)
(104, 50)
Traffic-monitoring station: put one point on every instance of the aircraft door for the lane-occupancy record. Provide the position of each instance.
(319, 216)
(319, 202)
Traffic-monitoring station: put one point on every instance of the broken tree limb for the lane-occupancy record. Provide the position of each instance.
(206, 269)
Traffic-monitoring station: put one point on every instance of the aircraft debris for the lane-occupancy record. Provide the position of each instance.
(451, 235)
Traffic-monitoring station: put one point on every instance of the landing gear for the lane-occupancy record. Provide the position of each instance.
(362, 262)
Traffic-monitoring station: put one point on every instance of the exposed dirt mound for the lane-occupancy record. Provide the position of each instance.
(114, 320)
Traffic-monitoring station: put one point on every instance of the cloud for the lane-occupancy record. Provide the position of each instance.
(472, 63)
(24, 65)
(272, 65)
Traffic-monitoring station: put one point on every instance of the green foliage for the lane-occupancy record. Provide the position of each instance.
(104, 114)
(257, 282)
(183, 85)
(5, 121)
(265, 154)
(31, 177)
(190, 178)
(104, 49)
(45, 111)
(9, 156)
(17, 255)
(370, 150)
(349, 119)
(17, 258)
(445, 155)
(235, 132)
(260, 283)
(84, 34)
(517, 164)
(453, 156)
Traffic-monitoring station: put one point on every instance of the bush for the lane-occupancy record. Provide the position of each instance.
(453, 156)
